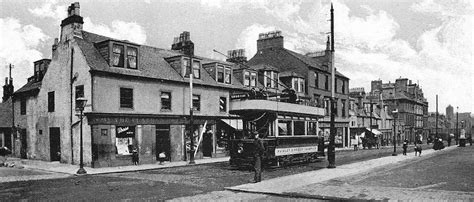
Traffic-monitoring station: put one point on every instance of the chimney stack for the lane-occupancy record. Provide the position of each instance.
(72, 25)
(268, 40)
(183, 43)
(54, 49)
(7, 89)
(236, 56)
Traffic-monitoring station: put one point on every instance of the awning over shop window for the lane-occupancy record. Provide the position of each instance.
(234, 123)
(376, 132)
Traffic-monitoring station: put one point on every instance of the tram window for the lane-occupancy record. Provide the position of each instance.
(284, 128)
(299, 127)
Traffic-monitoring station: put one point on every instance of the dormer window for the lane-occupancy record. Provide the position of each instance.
(118, 58)
(132, 57)
(271, 79)
(224, 74)
(123, 55)
(196, 68)
(298, 84)
(250, 79)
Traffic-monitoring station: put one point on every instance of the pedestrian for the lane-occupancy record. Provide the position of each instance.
(418, 149)
(449, 140)
(405, 146)
(161, 157)
(259, 151)
(135, 159)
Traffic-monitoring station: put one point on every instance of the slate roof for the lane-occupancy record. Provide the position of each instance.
(6, 114)
(287, 60)
(28, 87)
(151, 63)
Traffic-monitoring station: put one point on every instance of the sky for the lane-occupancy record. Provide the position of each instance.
(427, 41)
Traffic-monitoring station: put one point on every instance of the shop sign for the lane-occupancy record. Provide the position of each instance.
(295, 150)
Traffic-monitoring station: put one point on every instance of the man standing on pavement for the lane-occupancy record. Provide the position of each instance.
(259, 150)
(405, 146)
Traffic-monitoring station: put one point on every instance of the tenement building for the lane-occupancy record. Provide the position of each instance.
(310, 76)
(407, 99)
(138, 96)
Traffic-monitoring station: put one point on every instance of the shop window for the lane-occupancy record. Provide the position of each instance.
(104, 132)
(132, 57)
(299, 128)
(118, 55)
(23, 106)
(126, 98)
(284, 128)
(196, 103)
(124, 140)
(51, 101)
(79, 93)
(223, 104)
(165, 101)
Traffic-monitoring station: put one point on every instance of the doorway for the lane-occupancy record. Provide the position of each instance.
(54, 144)
(207, 144)
(163, 141)
(24, 146)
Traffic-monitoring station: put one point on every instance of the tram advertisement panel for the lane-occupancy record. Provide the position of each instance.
(295, 150)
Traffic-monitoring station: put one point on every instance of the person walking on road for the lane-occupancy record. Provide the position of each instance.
(405, 146)
(259, 150)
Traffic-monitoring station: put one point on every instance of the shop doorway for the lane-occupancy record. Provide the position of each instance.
(24, 145)
(207, 144)
(54, 144)
(163, 141)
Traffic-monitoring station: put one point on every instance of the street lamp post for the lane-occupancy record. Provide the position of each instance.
(457, 123)
(81, 104)
(332, 136)
(394, 140)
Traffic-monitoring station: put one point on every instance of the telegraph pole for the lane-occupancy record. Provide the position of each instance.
(191, 118)
(331, 149)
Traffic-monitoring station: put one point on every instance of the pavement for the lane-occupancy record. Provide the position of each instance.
(320, 184)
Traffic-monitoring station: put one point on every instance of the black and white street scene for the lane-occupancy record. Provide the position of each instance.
(222, 100)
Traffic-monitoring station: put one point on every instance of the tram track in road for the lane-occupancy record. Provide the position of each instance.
(168, 183)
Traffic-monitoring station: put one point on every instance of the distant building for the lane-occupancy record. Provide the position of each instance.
(449, 113)
(370, 115)
(408, 99)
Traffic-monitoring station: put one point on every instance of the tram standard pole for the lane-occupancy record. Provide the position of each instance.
(191, 118)
(394, 133)
(331, 149)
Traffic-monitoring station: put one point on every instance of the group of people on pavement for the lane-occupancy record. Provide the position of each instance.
(417, 148)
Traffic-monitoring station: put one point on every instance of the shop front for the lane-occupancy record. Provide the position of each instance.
(115, 136)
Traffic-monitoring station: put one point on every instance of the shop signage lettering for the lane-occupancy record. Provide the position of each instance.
(122, 129)
(295, 150)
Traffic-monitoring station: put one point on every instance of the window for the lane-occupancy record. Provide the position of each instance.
(165, 101)
(23, 107)
(343, 107)
(343, 87)
(271, 79)
(326, 83)
(104, 132)
(51, 101)
(126, 98)
(132, 57)
(124, 139)
(246, 78)
(196, 103)
(335, 106)
(284, 127)
(253, 79)
(118, 55)
(79, 93)
(228, 74)
(316, 80)
(327, 104)
(196, 68)
(220, 74)
(223, 104)
(299, 127)
(335, 86)
(298, 84)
